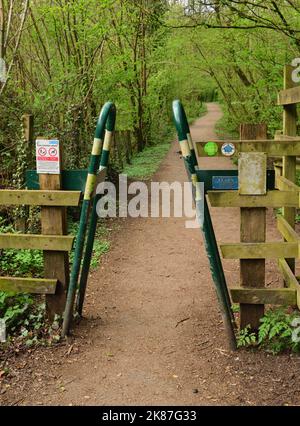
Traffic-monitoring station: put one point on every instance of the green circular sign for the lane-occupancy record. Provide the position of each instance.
(211, 148)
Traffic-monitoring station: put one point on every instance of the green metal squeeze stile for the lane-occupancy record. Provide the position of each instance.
(204, 219)
(106, 121)
(110, 126)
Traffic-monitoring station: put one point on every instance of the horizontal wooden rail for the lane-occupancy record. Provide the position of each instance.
(288, 233)
(289, 96)
(289, 278)
(28, 285)
(270, 147)
(271, 199)
(272, 250)
(284, 184)
(39, 198)
(38, 242)
(278, 160)
(262, 296)
(281, 137)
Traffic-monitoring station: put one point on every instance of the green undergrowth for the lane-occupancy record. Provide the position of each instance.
(19, 263)
(25, 322)
(224, 128)
(298, 177)
(23, 313)
(192, 117)
(278, 332)
(101, 243)
(29, 263)
(146, 163)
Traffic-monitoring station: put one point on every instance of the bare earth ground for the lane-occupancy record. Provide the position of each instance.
(131, 348)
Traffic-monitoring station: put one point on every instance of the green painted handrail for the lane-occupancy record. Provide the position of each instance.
(106, 122)
(183, 128)
(205, 222)
(93, 222)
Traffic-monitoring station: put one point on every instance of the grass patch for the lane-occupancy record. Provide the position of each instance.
(100, 248)
(101, 243)
(225, 129)
(193, 117)
(145, 163)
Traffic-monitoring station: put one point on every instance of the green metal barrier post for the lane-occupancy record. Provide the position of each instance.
(110, 126)
(105, 120)
(205, 222)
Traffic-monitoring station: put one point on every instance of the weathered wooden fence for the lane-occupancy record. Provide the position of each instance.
(54, 242)
(253, 196)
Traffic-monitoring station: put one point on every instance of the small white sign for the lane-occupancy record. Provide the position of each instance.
(228, 149)
(47, 156)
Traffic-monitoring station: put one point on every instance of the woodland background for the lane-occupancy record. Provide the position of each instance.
(65, 58)
(60, 60)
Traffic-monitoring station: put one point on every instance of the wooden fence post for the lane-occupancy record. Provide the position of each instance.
(56, 263)
(28, 123)
(289, 163)
(27, 135)
(252, 229)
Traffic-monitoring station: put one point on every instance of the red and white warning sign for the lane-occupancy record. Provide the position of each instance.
(47, 156)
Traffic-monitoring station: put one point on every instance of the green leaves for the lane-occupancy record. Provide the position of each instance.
(14, 308)
(246, 337)
(276, 330)
(100, 248)
(26, 263)
(274, 333)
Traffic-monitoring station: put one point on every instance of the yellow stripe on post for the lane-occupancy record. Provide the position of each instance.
(90, 185)
(107, 140)
(190, 141)
(194, 178)
(185, 149)
(196, 184)
(97, 145)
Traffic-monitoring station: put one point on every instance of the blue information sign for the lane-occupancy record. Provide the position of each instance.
(225, 182)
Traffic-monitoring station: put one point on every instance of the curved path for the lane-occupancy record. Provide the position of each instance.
(153, 333)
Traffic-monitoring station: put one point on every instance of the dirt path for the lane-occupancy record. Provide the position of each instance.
(132, 349)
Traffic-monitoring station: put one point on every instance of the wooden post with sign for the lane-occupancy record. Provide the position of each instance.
(254, 195)
(252, 229)
(54, 222)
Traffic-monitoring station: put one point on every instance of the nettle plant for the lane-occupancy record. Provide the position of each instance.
(279, 332)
